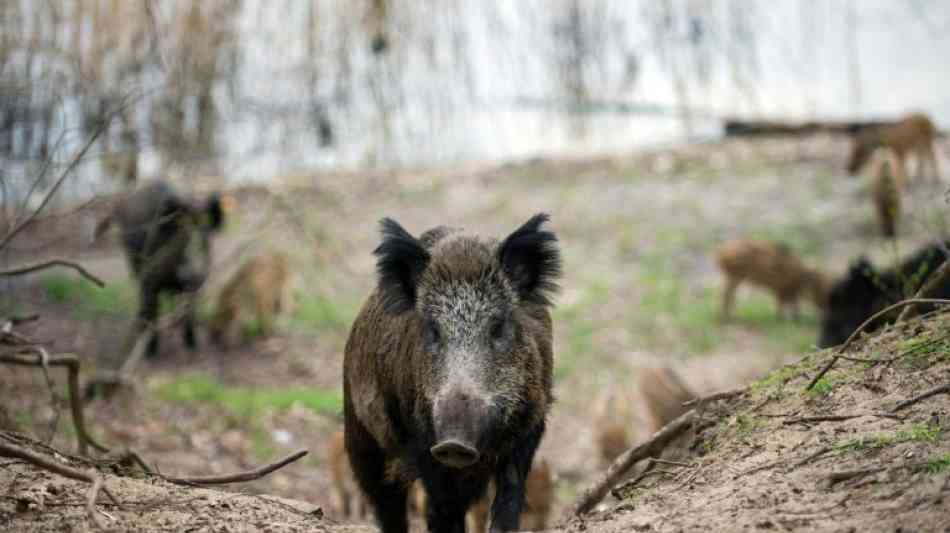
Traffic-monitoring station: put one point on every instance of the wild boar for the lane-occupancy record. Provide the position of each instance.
(773, 266)
(258, 287)
(448, 372)
(887, 189)
(915, 134)
(167, 241)
(864, 290)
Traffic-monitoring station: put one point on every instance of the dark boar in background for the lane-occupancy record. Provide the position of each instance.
(864, 291)
(448, 372)
(167, 242)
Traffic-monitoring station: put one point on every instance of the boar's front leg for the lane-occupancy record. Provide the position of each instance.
(148, 317)
(509, 479)
(448, 498)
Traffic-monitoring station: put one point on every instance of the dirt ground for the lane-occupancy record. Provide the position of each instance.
(640, 288)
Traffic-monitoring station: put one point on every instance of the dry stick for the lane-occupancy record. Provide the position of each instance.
(721, 395)
(71, 362)
(91, 476)
(931, 288)
(55, 262)
(819, 453)
(863, 325)
(932, 392)
(596, 492)
(239, 477)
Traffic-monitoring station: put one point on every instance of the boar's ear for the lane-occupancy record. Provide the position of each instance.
(531, 260)
(400, 261)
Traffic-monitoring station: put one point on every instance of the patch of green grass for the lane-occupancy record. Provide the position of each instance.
(917, 351)
(87, 298)
(821, 388)
(695, 319)
(913, 433)
(775, 381)
(318, 312)
(581, 330)
(746, 425)
(247, 401)
(938, 464)
(794, 335)
(803, 237)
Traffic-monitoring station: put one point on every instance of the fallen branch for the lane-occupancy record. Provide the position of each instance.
(721, 395)
(937, 280)
(239, 477)
(654, 446)
(52, 263)
(835, 418)
(71, 362)
(942, 389)
(812, 457)
(863, 325)
(90, 476)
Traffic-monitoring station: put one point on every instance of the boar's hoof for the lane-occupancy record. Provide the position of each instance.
(454, 453)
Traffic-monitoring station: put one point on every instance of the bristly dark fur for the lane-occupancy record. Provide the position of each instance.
(401, 260)
(532, 260)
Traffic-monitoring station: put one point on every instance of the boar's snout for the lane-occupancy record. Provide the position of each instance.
(459, 421)
(455, 453)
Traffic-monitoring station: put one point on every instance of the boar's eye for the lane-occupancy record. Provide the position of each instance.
(431, 333)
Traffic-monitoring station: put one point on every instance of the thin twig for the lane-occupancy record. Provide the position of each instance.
(43, 357)
(929, 289)
(69, 168)
(721, 395)
(90, 476)
(863, 325)
(810, 458)
(932, 392)
(652, 447)
(71, 362)
(239, 477)
(49, 264)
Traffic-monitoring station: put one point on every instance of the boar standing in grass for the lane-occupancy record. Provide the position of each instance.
(887, 190)
(167, 242)
(258, 288)
(772, 266)
(864, 290)
(915, 134)
(348, 500)
(448, 372)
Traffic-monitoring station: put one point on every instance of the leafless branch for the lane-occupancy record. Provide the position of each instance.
(239, 477)
(652, 447)
(71, 362)
(942, 389)
(937, 280)
(841, 349)
(90, 476)
(721, 395)
(52, 263)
